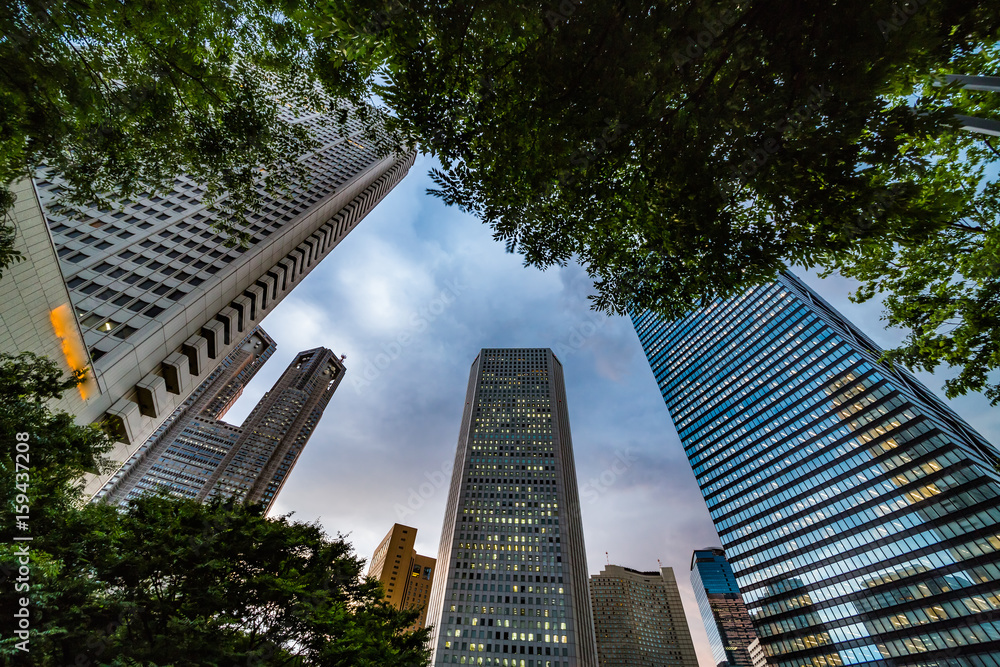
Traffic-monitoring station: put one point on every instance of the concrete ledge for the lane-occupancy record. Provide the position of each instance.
(151, 393)
(228, 316)
(196, 350)
(125, 420)
(215, 334)
(176, 373)
(269, 284)
(256, 295)
(242, 306)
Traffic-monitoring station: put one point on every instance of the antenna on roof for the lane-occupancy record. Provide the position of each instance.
(607, 560)
(659, 563)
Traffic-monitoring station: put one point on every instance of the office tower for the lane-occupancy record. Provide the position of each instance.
(511, 588)
(639, 619)
(406, 576)
(153, 299)
(196, 455)
(277, 430)
(756, 651)
(726, 619)
(181, 454)
(858, 512)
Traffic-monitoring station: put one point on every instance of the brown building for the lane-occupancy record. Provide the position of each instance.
(406, 576)
(639, 619)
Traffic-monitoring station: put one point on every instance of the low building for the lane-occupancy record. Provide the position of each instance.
(756, 651)
(406, 576)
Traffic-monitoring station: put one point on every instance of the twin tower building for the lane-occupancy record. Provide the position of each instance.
(859, 514)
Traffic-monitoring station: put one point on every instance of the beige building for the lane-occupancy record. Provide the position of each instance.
(639, 619)
(36, 313)
(151, 297)
(756, 652)
(406, 575)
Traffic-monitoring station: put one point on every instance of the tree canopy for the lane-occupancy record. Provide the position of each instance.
(679, 151)
(685, 151)
(117, 98)
(163, 580)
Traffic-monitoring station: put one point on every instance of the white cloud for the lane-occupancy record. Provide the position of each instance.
(374, 446)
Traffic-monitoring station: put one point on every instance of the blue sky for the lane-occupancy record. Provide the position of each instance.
(411, 296)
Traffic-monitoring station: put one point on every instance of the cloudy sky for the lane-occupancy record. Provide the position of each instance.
(410, 297)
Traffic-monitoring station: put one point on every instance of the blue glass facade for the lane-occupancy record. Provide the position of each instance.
(726, 620)
(860, 515)
(712, 572)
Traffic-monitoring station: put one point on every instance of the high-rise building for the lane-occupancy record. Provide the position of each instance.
(861, 516)
(756, 651)
(277, 430)
(406, 575)
(639, 619)
(152, 298)
(196, 455)
(726, 619)
(511, 587)
(183, 452)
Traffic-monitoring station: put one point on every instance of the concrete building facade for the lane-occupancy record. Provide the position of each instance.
(184, 451)
(156, 298)
(511, 587)
(757, 657)
(639, 619)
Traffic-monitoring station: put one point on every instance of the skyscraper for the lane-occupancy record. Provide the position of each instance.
(639, 619)
(196, 455)
(511, 587)
(756, 651)
(406, 575)
(277, 430)
(726, 620)
(184, 451)
(859, 513)
(153, 299)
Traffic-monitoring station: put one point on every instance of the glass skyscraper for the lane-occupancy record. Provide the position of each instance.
(859, 513)
(511, 582)
(726, 620)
